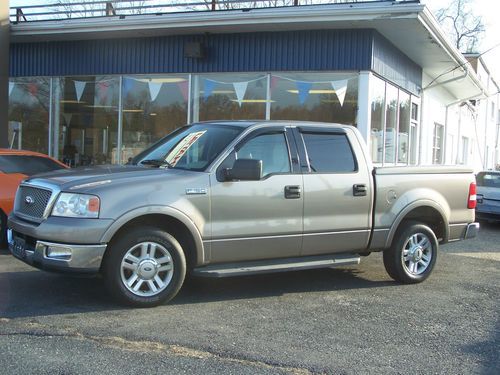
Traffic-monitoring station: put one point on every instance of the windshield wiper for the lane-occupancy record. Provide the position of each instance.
(156, 163)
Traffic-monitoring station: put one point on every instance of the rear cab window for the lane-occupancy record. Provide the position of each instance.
(488, 179)
(27, 164)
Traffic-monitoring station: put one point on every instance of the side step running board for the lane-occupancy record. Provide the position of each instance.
(276, 265)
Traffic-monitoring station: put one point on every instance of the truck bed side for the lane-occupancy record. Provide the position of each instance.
(434, 195)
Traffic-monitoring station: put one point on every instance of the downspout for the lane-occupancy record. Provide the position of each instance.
(480, 94)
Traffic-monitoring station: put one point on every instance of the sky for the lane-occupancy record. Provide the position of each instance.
(489, 10)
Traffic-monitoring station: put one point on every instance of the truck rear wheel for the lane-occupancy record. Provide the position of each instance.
(145, 267)
(413, 253)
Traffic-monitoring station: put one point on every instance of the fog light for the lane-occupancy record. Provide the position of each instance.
(58, 252)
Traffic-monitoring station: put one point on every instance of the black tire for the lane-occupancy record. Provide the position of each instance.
(116, 275)
(413, 253)
(3, 231)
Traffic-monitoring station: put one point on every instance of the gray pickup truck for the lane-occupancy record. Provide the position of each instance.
(233, 198)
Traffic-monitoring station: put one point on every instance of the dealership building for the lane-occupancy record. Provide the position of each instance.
(100, 89)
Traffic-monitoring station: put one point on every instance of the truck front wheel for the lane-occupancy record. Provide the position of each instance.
(145, 267)
(413, 253)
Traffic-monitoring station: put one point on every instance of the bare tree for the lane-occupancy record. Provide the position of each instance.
(82, 9)
(465, 27)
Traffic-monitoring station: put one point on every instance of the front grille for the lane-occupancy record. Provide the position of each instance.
(32, 201)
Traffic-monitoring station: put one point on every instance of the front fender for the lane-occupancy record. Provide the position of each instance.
(201, 254)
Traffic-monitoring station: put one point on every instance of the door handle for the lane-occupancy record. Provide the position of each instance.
(359, 190)
(292, 192)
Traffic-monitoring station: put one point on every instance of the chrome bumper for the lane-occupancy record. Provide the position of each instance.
(57, 256)
(471, 230)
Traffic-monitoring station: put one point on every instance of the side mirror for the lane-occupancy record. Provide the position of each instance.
(245, 170)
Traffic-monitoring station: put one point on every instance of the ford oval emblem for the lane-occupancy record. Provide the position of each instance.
(29, 200)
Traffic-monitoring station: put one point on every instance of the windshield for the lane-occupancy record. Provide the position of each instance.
(192, 147)
(27, 164)
(488, 179)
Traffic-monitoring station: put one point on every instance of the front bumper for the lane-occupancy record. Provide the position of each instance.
(52, 256)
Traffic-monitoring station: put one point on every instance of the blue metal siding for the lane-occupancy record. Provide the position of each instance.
(395, 66)
(314, 50)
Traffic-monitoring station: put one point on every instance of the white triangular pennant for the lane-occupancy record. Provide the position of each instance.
(67, 118)
(11, 87)
(154, 89)
(340, 88)
(240, 88)
(79, 87)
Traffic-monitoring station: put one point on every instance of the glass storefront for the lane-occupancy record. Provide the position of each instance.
(89, 120)
(238, 96)
(152, 108)
(86, 123)
(29, 110)
(393, 132)
(330, 97)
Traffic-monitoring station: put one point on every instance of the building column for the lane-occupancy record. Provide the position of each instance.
(4, 72)
(364, 110)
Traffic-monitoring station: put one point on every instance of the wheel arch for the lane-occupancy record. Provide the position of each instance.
(426, 212)
(174, 221)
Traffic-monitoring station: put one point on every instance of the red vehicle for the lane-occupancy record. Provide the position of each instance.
(15, 166)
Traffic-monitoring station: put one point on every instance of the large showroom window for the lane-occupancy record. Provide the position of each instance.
(152, 107)
(327, 97)
(393, 129)
(236, 96)
(86, 119)
(29, 102)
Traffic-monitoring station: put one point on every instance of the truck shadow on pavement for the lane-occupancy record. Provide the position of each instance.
(37, 293)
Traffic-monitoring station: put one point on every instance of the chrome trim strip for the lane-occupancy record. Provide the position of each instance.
(337, 232)
(456, 225)
(284, 236)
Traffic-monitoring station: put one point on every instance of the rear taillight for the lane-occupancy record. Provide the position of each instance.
(472, 200)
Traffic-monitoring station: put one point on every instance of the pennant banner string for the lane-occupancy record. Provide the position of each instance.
(295, 80)
(79, 87)
(232, 83)
(340, 88)
(240, 88)
(154, 90)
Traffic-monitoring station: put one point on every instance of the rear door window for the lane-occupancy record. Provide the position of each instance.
(27, 164)
(329, 153)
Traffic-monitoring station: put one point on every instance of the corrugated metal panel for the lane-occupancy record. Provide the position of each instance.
(395, 66)
(314, 50)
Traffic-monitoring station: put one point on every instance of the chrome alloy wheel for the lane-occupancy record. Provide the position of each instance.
(417, 254)
(147, 269)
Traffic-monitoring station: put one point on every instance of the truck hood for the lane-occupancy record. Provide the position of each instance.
(89, 178)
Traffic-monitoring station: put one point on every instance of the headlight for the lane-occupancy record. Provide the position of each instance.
(76, 205)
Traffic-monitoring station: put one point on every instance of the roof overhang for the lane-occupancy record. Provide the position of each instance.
(410, 26)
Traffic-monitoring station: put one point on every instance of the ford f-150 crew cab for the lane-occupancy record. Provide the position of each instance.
(232, 198)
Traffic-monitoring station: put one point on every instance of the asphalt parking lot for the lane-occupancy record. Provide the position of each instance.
(348, 320)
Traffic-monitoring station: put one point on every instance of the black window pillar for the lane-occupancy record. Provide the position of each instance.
(4, 72)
